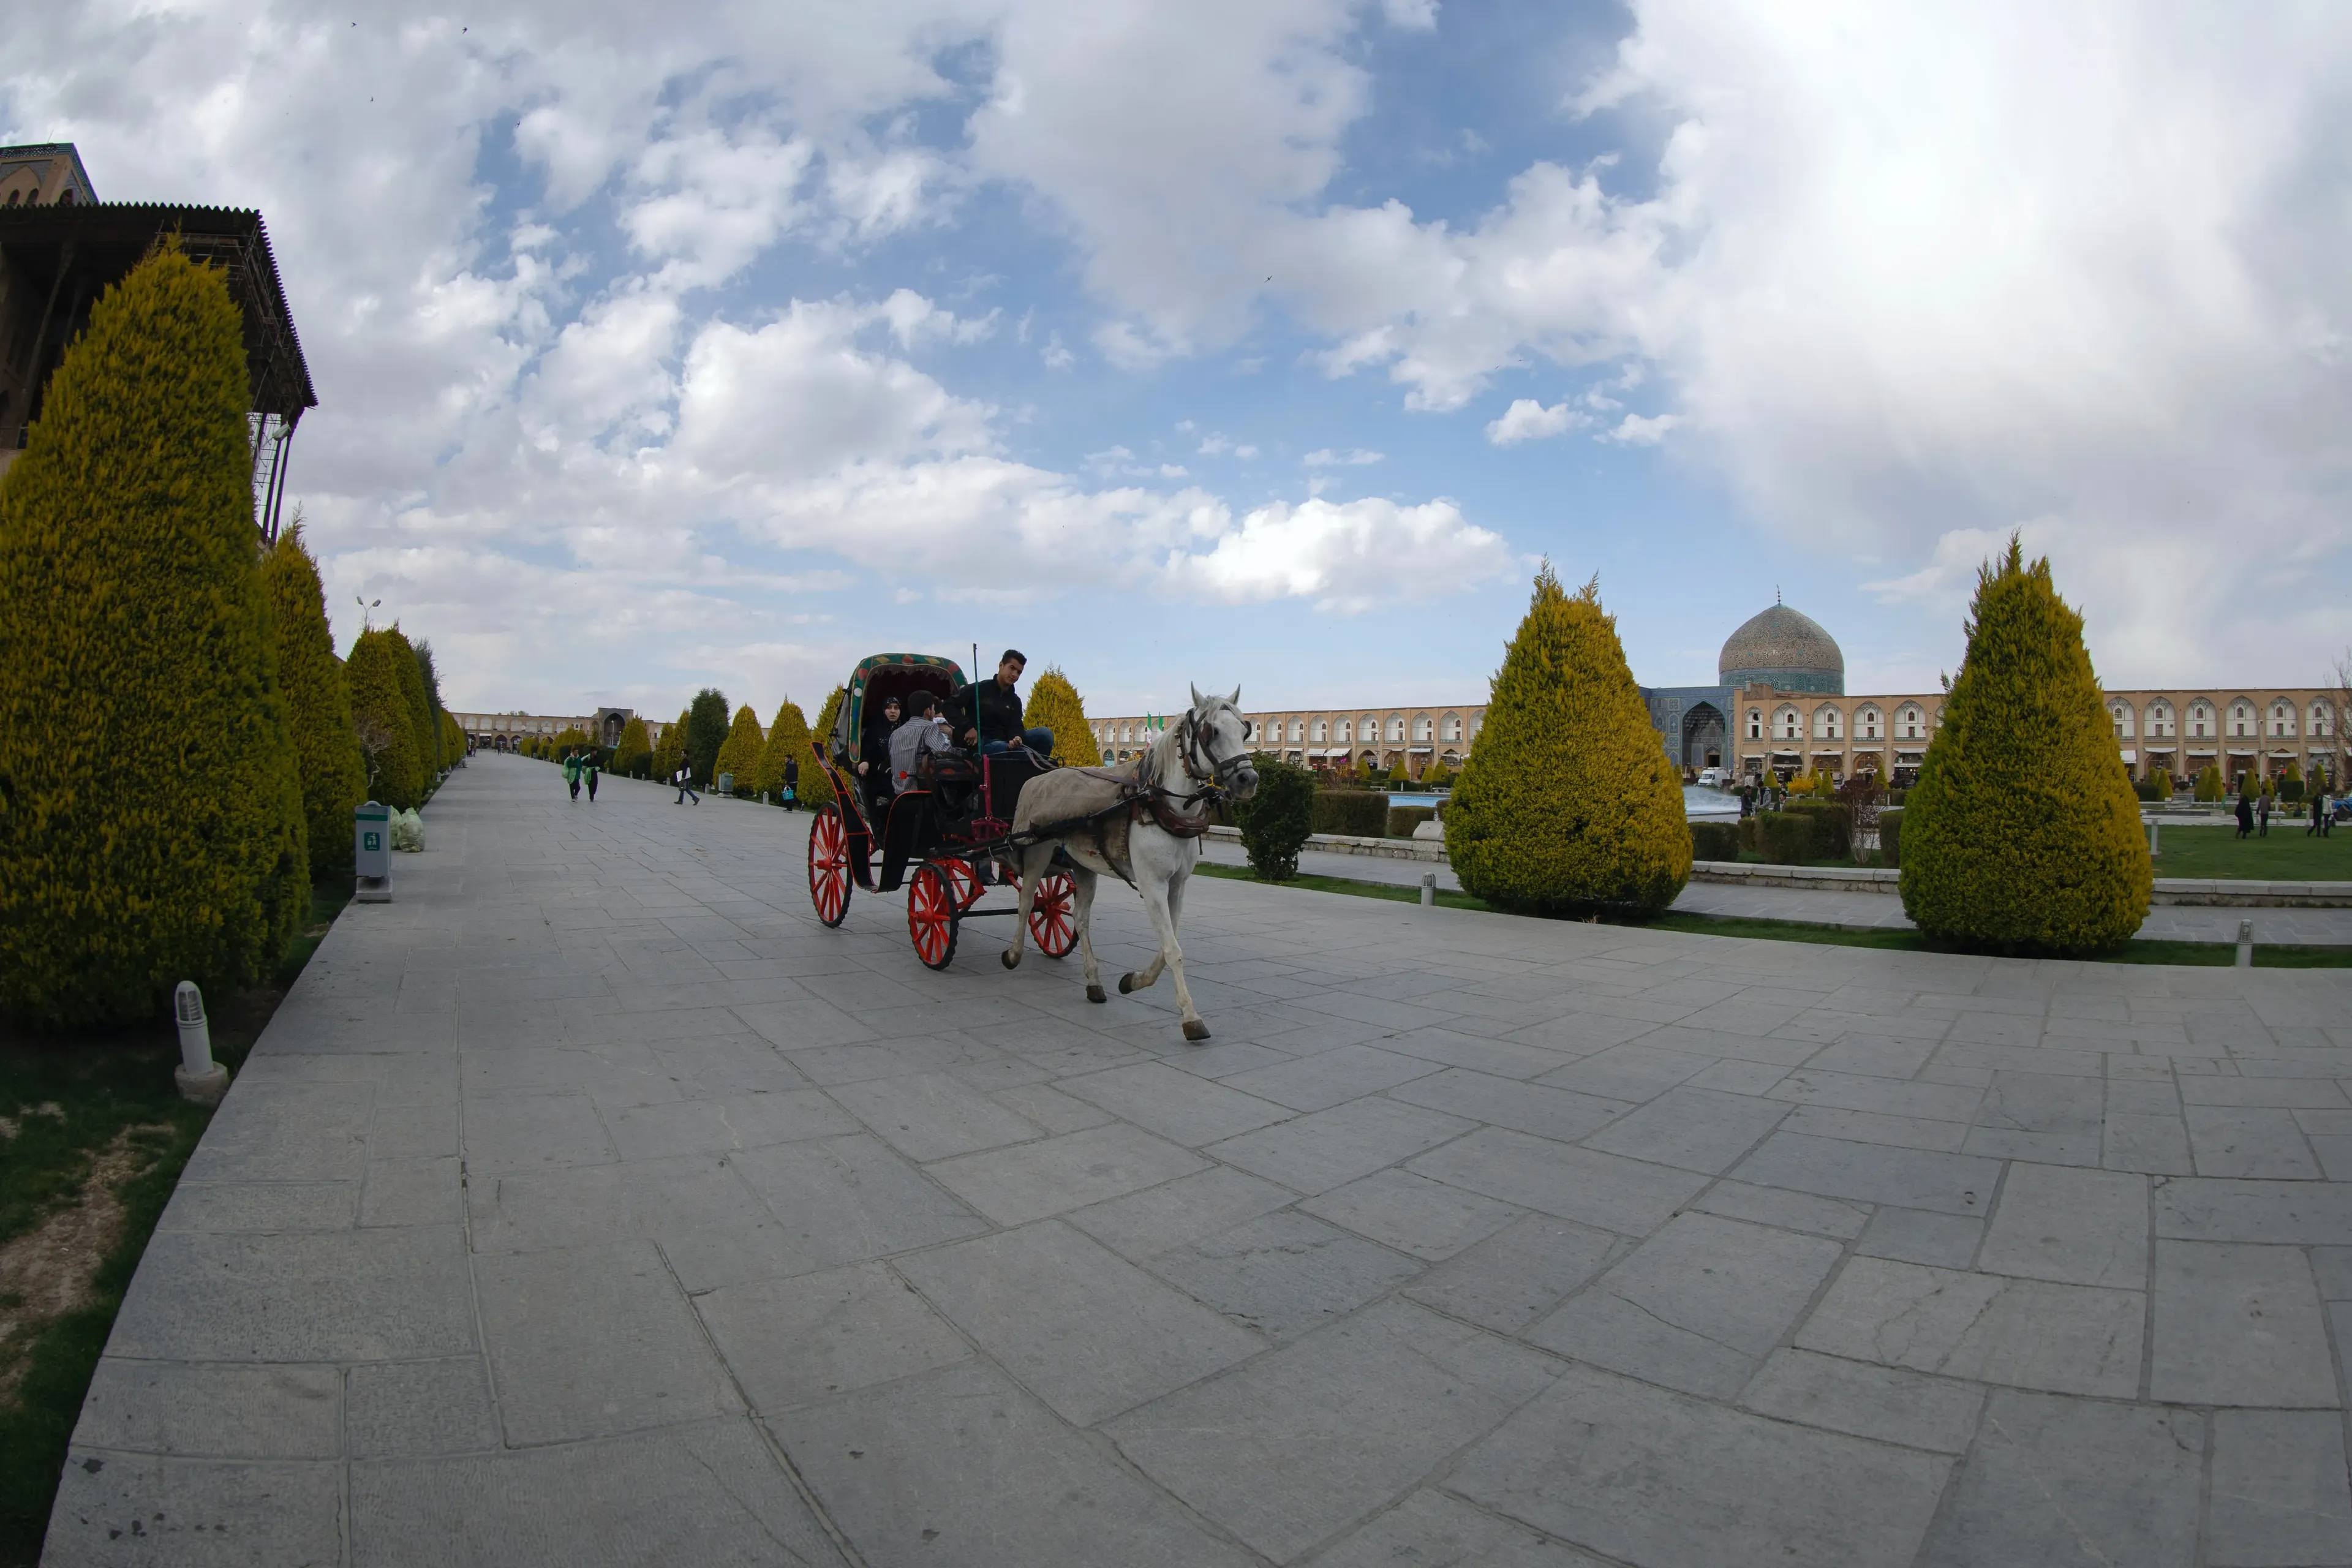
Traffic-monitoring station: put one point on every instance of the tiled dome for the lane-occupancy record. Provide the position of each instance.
(1785, 648)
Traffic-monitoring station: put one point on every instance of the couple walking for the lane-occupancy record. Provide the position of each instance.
(579, 766)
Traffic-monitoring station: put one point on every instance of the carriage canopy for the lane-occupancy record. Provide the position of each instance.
(882, 677)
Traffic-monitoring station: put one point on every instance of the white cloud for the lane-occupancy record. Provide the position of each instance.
(1328, 458)
(1640, 430)
(1528, 420)
(1347, 557)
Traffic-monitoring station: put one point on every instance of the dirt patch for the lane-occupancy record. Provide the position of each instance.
(48, 1271)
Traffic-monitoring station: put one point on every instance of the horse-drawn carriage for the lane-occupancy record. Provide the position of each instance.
(946, 839)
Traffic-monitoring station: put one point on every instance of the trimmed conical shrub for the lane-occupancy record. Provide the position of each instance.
(821, 732)
(706, 732)
(417, 702)
(429, 679)
(671, 751)
(1569, 803)
(2024, 833)
(151, 817)
(789, 737)
(382, 719)
(453, 739)
(318, 704)
(631, 753)
(739, 754)
(1055, 704)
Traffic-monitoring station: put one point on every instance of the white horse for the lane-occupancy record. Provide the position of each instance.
(1142, 823)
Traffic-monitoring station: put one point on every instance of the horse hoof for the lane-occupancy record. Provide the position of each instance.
(1095, 993)
(1012, 959)
(1126, 984)
(1195, 1030)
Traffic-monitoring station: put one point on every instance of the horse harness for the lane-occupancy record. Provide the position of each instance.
(1139, 798)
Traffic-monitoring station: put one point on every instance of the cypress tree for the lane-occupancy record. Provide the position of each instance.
(418, 705)
(453, 739)
(821, 732)
(151, 817)
(789, 737)
(1055, 704)
(443, 758)
(1568, 803)
(706, 732)
(318, 703)
(381, 718)
(2023, 834)
(672, 750)
(633, 752)
(739, 754)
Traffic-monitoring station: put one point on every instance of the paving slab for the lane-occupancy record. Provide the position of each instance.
(593, 1203)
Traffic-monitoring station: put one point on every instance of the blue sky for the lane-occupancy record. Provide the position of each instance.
(1270, 343)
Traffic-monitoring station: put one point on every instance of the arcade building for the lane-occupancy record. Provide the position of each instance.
(1779, 707)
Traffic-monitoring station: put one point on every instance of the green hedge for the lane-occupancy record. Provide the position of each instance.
(1715, 841)
(1832, 827)
(1890, 837)
(1786, 837)
(1403, 819)
(1356, 813)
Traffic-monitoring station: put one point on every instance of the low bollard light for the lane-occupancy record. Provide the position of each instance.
(201, 1078)
(2152, 851)
(2245, 944)
(1429, 890)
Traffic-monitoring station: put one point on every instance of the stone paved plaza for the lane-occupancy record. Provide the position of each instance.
(593, 1204)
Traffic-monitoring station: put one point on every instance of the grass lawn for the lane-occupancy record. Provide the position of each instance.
(93, 1135)
(2202, 953)
(2286, 855)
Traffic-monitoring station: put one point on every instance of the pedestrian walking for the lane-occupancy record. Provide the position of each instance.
(571, 771)
(685, 782)
(2245, 815)
(791, 783)
(2318, 812)
(591, 767)
(2262, 815)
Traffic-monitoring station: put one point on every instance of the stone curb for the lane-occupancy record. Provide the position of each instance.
(2221, 892)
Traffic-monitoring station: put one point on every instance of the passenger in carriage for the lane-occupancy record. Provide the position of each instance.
(921, 734)
(997, 726)
(875, 754)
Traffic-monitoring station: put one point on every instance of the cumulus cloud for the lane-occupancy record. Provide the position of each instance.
(1329, 458)
(1528, 420)
(1347, 556)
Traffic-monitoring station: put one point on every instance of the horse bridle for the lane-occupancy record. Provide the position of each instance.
(1214, 784)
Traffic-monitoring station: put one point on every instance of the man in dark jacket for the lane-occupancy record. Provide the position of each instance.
(988, 715)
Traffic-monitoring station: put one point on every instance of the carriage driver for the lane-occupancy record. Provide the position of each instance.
(998, 725)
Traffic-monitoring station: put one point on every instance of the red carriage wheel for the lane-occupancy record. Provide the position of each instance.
(933, 914)
(828, 858)
(960, 876)
(1053, 915)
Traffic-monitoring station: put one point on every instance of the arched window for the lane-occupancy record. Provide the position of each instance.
(1827, 723)
(2282, 719)
(1347, 731)
(2200, 720)
(1755, 723)
(1450, 728)
(1866, 724)
(2322, 720)
(1368, 728)
(1422, 729)
(1788, 725)
(1298, 730)
(2242, 713)
(2120, 715)
(65, 198)
(2160, 719)
(1909, 720)
(1396, 727)
(1322, 731)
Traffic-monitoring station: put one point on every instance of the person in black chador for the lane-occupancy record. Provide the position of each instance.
(874, 758)
(2245, 815)
(997, 726)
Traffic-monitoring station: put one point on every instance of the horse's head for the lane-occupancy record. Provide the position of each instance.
(1221, 743)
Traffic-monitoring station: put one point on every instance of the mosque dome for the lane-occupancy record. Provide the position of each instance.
(1787, 648)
